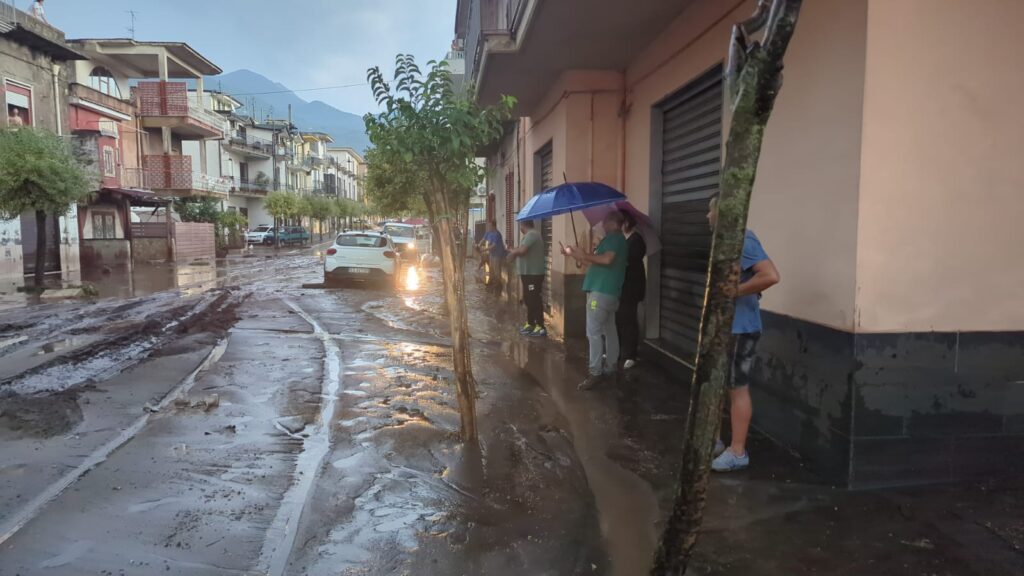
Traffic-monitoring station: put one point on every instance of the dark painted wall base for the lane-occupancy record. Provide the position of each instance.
(875, 410)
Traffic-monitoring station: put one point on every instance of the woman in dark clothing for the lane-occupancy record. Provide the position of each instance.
(633, 290)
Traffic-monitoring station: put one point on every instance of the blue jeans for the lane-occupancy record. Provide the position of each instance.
(602, 334)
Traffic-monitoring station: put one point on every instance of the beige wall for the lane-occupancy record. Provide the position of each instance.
(942, 197)
(804, 207)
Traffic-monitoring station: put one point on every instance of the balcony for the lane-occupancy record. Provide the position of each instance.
(250, 146)
(167, 105)
(174, 176)
(518, 47)
(245, 187)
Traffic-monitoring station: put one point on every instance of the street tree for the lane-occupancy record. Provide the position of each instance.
(280, 205)
(321, 209)
(425, 142)
(39, 173)
(753, 80)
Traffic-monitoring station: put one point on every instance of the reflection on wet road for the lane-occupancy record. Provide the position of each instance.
(320, 439)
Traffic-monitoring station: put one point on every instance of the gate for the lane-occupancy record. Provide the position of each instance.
(29, 247)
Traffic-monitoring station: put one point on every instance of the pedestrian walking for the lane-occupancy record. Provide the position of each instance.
(757, 274)
(494, 247)
(531, 266)
(37, 10)
(603, 285)
(634, 288)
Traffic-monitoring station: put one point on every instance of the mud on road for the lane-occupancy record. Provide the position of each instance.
(263, 428)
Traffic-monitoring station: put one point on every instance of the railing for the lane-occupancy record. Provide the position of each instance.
(171, 99)
(245, 186)
(8, 16)
(167, 172)
(252, 143)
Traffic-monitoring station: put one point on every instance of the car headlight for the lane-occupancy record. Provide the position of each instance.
(411, 245)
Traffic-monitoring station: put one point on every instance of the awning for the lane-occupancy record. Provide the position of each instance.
(138, 197)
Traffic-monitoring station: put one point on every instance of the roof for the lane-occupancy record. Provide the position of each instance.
(46, 39)
(135, 52)
(349, 149)
(138, 197)
(321, 136)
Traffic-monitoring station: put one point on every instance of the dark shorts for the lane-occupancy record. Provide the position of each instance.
(744, 353)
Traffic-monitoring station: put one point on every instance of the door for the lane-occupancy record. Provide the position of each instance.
(691, 155)
(28, 243)
(545, 159)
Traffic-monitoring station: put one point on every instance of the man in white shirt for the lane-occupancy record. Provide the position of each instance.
(37, 10)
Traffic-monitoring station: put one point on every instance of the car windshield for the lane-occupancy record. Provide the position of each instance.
(400, 231)
(262, 229)
(362, 241)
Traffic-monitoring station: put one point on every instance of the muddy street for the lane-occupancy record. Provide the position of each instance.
(257, 427)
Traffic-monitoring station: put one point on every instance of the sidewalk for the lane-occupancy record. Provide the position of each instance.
(776, 519)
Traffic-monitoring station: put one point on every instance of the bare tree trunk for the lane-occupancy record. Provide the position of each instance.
(455, 298)
(755, 77)
(40, 274)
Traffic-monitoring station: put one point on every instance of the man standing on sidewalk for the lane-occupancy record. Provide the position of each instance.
(603, 285)
(757, 274)
(494, 246)
(531, 268)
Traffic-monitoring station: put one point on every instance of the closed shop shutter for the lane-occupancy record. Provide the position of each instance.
(545, 160)
(690, 167)
(28, 243)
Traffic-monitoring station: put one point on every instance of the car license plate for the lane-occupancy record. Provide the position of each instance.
(359, 270)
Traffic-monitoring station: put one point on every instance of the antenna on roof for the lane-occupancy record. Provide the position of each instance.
(131, 29)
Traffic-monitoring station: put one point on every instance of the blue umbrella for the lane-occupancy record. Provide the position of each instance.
(568, 197)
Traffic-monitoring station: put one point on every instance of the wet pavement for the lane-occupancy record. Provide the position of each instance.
(223, 419)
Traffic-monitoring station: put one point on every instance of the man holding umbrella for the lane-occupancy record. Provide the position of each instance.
(603, 285)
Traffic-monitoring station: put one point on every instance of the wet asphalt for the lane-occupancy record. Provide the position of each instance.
(246, 425)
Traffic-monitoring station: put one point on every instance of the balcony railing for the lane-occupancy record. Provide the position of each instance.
(171, 99)
(247, 187)
(175, 174)
(252, 143)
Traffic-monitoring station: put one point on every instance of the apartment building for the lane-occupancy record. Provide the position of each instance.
(34, 92)
(348, 163)
(887, 194)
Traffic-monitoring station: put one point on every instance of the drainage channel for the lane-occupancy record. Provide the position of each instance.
(11, 525)
(280, 538)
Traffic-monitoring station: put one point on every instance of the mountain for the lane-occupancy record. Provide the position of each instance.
(263, 96)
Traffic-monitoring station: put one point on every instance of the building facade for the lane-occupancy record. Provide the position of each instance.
(34, 91)
(887, 194)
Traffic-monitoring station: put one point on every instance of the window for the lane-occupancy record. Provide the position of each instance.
(101, 80)
(362, 241)
(19, 104)
(109, 161)
(103, 227)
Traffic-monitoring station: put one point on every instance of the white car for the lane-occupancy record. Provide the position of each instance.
(403, 235)
(262, 234)
(363, 257)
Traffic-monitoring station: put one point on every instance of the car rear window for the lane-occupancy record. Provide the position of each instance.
(400, 231)
(362, 241)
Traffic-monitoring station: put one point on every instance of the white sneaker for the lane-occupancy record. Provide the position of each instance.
(628, 364)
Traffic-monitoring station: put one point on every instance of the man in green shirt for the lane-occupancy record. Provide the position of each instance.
(603, 285)
(531, 267)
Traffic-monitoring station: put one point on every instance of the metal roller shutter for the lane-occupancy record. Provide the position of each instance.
(545, 159)
(690, 166)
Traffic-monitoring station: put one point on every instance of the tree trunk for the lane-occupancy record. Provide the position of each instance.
(40, 274)
(277, 234)
(757, 85)
(458, 317)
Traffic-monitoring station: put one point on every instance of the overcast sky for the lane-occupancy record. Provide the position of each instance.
(299, 43)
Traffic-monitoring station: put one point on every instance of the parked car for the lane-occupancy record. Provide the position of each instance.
(362, 257)
(262, 234)
(294, 235)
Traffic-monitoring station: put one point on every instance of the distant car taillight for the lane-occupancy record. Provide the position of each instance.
(332, 251)
(389, 254)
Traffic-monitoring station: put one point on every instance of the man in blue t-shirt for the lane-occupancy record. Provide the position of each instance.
(494, 246)
(757, 274)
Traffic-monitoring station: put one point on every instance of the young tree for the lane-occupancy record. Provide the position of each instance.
(425, 144)
(320, 209)
(280, 205)
(754, 78)
(39, 173)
